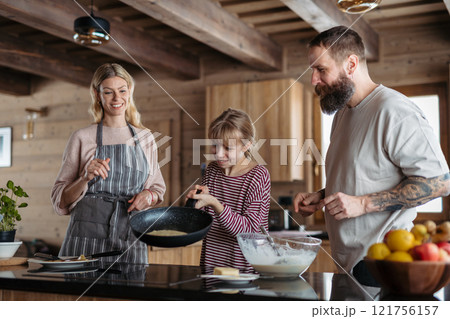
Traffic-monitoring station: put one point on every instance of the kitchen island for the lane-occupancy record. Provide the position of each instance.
(176, 282)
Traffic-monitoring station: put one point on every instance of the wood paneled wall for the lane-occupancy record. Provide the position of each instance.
(406, 57)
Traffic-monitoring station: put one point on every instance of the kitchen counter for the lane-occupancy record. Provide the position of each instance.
(175, 282)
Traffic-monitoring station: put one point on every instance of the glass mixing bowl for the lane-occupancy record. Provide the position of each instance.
(288, 257)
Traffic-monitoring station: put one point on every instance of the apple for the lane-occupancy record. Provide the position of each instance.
(443, 255)
(431, 226)
(445, 246)
(427, 251)
(386, 236)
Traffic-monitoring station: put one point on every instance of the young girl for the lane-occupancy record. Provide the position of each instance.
(235, 191)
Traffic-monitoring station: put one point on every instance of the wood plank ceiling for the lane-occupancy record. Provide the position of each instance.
(169, 38)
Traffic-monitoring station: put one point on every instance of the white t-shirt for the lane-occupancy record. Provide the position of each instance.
(373, 147)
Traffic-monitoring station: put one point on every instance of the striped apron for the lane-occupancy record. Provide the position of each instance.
(100, 222)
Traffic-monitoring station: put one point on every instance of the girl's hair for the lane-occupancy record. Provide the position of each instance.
(106, 71)
(233, 124)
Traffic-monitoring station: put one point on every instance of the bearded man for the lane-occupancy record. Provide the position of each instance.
(383, 159)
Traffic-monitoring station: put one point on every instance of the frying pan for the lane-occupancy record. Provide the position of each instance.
(195, 222)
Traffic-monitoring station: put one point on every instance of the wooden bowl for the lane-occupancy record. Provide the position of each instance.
(410, 278)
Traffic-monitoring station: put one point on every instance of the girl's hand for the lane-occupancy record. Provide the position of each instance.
(97, 167)
(192, 192)
(307, 203)
(205, 199)
(143, 200)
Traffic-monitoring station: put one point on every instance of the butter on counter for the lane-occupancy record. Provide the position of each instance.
(226, 271)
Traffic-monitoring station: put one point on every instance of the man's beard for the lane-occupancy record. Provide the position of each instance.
(336, 96)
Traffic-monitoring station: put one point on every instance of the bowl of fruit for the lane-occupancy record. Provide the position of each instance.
(415, 262)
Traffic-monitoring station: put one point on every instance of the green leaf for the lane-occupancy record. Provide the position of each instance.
(9, 205)
(10, 185)
(6, 199)
(19, 192)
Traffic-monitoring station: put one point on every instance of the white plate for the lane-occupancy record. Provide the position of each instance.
(62, 264)
(242, 279)
(64, 271)
(232, 288)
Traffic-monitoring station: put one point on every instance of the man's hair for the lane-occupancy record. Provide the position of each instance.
(341, 42)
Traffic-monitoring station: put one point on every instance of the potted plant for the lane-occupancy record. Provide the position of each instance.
(9, 213)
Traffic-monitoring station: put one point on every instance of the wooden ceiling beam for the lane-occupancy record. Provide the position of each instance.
(39, 60)
(210, 24)
(127, 43)
(322, 15)
(14, 83)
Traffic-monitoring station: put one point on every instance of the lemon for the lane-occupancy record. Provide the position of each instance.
(419, 231)
(400, 240)
(399, 256)
(378, 251)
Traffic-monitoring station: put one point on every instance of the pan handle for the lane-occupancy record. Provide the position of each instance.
(191, 202)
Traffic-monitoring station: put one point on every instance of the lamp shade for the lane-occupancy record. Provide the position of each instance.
(90, 30)
(356, 6)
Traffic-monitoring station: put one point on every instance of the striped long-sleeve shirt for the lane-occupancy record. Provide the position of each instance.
(246, 199)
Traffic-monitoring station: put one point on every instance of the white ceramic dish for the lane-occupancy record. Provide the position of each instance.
(64, 271)
(232, 288)
(242, 279)
(8, 249)
(62, 264)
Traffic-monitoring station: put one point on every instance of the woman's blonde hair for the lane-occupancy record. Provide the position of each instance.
(233, 124)
(106, 71)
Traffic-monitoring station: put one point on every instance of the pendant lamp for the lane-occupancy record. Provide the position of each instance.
(91, 30)
(357, 6)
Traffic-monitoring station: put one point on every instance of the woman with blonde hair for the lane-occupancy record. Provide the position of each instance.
(109, 171)
(235, 190)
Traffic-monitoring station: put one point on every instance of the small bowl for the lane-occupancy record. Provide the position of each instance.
(8, 249)
(410, 278)
(291, 258)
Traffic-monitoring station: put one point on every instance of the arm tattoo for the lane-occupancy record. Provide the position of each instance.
(411, 192)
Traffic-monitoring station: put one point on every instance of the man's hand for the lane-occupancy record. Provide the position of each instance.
(341, 206)
(307, 203)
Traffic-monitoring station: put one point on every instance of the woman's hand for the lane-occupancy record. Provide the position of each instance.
(143, 200)
(205, 199)
(97, 167)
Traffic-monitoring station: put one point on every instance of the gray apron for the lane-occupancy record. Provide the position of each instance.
(100, 222)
